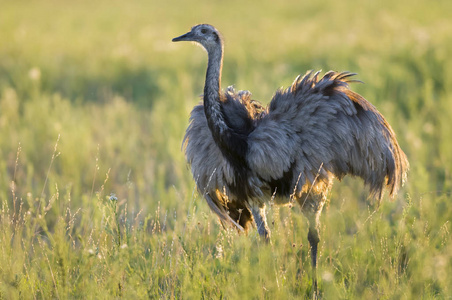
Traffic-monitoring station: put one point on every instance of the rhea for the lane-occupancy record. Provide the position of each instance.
(243, 155)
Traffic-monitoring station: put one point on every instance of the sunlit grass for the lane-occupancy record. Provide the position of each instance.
(96, 200)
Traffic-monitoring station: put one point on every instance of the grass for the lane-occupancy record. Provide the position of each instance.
(95, 195)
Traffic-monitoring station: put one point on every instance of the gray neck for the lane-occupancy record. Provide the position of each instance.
(232, 144)
(212, 109)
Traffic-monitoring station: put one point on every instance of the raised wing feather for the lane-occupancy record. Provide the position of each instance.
(320, 124)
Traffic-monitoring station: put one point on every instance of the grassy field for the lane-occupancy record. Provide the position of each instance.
(96, 200)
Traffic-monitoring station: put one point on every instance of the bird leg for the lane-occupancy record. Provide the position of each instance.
(313, 238)
(312, 205)
(261, 221)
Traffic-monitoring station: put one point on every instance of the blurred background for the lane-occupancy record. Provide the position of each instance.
(95, 99)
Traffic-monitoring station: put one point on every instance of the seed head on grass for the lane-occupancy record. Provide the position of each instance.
(113, 198)
(114, 204)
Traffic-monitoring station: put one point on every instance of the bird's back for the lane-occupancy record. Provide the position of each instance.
(241, 111)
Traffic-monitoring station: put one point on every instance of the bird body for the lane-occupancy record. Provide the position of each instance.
(242, 155)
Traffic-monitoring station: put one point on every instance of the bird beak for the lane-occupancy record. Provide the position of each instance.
(185, 37)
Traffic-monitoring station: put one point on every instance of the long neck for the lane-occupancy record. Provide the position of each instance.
(232, 144)
(212, 105)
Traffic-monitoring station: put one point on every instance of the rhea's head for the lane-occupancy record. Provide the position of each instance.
(204, 34)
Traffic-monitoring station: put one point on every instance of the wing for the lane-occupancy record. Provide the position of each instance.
(318, 128)
(213, 173)
(209, 168)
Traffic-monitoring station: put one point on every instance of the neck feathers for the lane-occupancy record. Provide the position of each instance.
(212, 105)
(232, 144)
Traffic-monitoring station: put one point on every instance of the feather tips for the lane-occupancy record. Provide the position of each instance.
(320, 121)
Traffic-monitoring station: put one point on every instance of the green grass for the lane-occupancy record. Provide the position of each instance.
(94, 100)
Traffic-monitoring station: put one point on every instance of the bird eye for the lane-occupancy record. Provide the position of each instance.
(203, 31)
